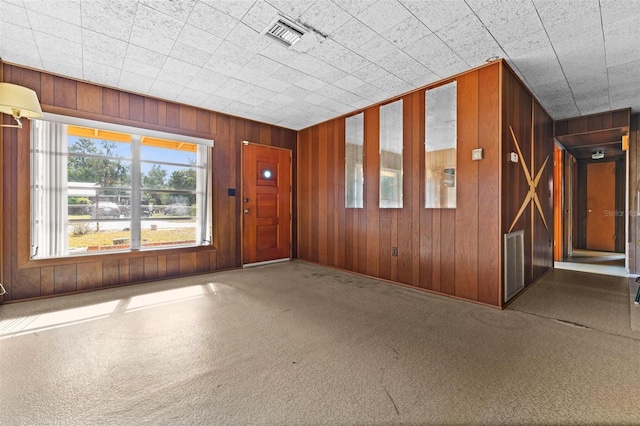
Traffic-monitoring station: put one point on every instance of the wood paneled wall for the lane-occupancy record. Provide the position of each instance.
(25, 278)
(451, 251)
(533, 129)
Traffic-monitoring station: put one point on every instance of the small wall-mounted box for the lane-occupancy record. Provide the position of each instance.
(476, 154)
(513, 157)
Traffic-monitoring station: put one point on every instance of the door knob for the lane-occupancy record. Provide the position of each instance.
(590, 210)
(246, 211)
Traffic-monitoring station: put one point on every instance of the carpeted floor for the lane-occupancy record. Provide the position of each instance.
(296, 343)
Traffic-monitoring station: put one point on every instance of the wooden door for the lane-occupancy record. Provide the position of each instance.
(266, 203)
(558, 207)
(601, 206)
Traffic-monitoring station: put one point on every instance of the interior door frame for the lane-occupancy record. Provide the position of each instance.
(240, 204)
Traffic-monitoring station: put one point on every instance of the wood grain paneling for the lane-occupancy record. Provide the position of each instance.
(25, 278)
(438, 249)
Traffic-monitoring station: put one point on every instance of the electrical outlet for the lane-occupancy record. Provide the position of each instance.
(394, 251)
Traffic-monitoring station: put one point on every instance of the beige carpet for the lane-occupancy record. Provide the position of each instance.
(295, 344)
(600, 302)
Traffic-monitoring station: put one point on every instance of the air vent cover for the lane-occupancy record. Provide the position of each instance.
(513, 264)
(285, 31)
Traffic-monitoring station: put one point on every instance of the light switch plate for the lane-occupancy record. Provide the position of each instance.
(476, 154)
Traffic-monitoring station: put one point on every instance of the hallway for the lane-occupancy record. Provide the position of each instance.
(297, 343)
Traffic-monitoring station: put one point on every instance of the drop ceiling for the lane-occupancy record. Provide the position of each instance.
(578, 57)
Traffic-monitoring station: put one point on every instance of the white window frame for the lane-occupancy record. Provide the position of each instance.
(203, 189)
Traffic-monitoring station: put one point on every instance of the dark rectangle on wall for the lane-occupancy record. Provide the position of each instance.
(89, 275)
(65, 93)
(89, 98)
(65, 278)
(136, 269)
(136, 108)
(110, 102)
(150, 110)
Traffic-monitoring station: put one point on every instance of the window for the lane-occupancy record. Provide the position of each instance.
(354, 154)
(391, 145)
(97, 187)
(440, 146)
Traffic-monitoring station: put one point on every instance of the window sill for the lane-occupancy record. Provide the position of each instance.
(116, 253)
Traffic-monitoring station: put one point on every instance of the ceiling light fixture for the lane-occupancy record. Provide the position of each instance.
(19, 102)
(598, 155)
(492, 58)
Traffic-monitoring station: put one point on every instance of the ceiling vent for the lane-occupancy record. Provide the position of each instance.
(285, 31)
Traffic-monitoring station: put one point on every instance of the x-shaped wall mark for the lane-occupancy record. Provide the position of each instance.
(533, 184)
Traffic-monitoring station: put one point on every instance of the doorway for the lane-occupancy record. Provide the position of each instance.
(266, 204)
(589, 196)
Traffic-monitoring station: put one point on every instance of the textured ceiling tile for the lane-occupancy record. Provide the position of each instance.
(243, 35)
(531, 42)
(383, 15)
(235, 8)
(112, 18)
(289, 75)
(216, 103)
(274, 84)
(350, 62)
(515, 28)
(328, 50)
(179, 10)
(165, 89)
(404, 66)
(211, 20)
(56, 49)
(207, 81)
(67, 11)
(199, 39)
(190, 54)
(376, 48)
(307, 64)
(103, 49)
(430, 51)
(20, 37)
(192, 97)
(353, 33)
(100, 73)
(370, 72)
(325, 17)
(54, 27)
(407, 32)
(154, 30)
(296, 92)
(14, 14)
(315, 98)
(260, 15)
(230, 52)
(589, 84)
(178, 72)
(349, 82)
(278, 52)
(328, 73)
(72, 67)
(354, 7)
(292, 8)
(437, 14)
(29, 58)
(366, 91)
(627, 73)
(311, 83)
(146, 69)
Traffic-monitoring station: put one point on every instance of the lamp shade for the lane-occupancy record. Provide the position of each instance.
(19, 101)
